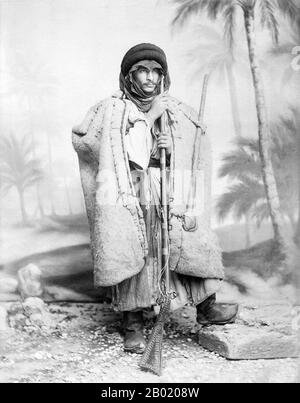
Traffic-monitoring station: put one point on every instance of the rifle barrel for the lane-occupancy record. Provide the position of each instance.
(164, 201)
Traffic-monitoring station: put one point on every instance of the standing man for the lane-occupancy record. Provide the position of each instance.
(118, 146)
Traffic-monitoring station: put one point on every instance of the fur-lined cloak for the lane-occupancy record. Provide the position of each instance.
(117, 227)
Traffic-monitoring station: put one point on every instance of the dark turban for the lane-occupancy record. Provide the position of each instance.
(140, 53)
(143, 51)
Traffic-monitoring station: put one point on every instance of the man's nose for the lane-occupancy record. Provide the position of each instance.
(150, 75)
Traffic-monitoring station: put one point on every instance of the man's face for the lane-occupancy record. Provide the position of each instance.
(147, 78)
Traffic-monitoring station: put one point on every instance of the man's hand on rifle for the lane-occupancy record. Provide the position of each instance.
(160, 104)
(165, 141)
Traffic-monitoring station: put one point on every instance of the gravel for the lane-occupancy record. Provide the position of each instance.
(82, 349)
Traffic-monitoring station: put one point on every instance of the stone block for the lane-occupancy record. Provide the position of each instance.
(259, 333)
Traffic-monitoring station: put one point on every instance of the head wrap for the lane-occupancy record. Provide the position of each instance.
(149, 56)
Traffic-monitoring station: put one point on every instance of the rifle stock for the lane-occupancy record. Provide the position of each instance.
(152, 357)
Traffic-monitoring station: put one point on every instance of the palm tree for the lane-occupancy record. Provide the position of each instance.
(297, 129)
(214, 54)
(285, 158)
(33, 84)
(291, 77)
(46, 124)
(227, 10)
(18, 168)
(242, 167)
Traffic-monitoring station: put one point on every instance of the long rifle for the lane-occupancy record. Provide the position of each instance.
(152, 357)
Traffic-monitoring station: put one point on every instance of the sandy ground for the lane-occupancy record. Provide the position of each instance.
(86, 346)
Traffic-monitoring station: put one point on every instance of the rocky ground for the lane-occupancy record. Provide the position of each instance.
(82, 343)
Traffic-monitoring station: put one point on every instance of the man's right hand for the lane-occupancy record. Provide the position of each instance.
(159, 105)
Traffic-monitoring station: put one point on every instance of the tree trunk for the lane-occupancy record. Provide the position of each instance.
(22, 206)
(247, 230)
(292, 220)
(234, 102)
(297, 232)
(82, 202)
(264, 138)
(68, 196)
(297, 119)
(38, 195)
(50, 159)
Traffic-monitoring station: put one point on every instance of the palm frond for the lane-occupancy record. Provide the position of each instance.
(290, 8)
(268, 18)
(239, 199)
(7, 177)
(5, 187)
(226, 203)
(186, 9)
(211, 54)
(229, 15)
(212, 8)
(216, 7)
(261, 213)
(17, 166)
(246, 5)
(208, 34)
(242, 162)
(209, 64)
(249, 143)
(239, 165)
